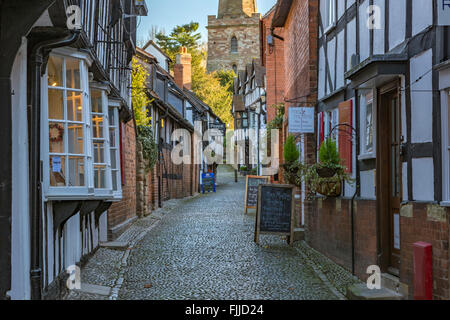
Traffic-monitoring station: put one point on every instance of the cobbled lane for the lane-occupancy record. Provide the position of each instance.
(204, 249)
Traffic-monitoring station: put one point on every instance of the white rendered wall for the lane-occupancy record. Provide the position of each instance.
(368, 184)
(20, 251)
(422, 98)
(364, 32)
(422, 15)
(378, 34)
(397, 30)
(340, 82)
(423, 179)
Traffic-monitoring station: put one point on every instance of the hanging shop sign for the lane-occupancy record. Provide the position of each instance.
(301, 120)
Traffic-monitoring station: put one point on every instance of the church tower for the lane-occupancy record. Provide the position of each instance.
(233, 35)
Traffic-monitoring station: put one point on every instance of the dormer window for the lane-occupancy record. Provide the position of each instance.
(234, 45)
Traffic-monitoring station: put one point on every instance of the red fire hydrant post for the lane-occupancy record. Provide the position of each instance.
(423, 271)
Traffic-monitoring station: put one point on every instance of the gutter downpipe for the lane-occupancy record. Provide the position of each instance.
(37, 61)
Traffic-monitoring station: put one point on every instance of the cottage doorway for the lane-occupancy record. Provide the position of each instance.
(389, 177)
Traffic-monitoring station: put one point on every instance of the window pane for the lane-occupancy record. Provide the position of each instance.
(112, 137)
(113, 159)
(114, 180)
(57, 171)
(55, 67)
(55, 104)
(73, 73)
(74, 106)
(369, 128)
(97, 127)
(76, 172)
(112, 117)
(56, 137)
(99, 177)
(76, 138)
(99, 152)
(96, 101)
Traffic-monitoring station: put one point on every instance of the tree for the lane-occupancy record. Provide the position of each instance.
(215, 89)
(139, 98)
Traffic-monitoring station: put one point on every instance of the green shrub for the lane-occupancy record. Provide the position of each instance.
(328, 153)
(291, 153)
(149, 146)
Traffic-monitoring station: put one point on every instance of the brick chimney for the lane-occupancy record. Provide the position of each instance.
(182, 69)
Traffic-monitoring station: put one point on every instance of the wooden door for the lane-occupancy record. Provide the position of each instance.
(395, 180)
(389, 177)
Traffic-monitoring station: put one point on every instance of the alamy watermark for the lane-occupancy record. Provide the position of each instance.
(74, 280)
(374, 280)
(73, 17)
(236, 147)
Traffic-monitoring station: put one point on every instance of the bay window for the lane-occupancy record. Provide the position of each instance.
(81, 150)
(67, 125)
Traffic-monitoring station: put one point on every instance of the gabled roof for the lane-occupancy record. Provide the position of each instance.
(281, 13)
(152, 43)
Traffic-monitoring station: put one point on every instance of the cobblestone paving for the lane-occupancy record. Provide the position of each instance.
(203, 249)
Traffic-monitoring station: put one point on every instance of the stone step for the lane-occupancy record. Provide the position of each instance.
(115, 245)
(361, 292)
(299, 234)
(393, 283)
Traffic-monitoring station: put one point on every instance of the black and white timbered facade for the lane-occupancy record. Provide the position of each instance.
(67, 91)
(386, 61)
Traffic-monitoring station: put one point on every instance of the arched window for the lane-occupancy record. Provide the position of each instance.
(235, 68)
(234, 45)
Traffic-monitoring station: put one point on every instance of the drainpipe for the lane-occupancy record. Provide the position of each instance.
(35, 171)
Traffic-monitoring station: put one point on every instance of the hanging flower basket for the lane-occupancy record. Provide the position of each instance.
(329, 188)
(325, 172)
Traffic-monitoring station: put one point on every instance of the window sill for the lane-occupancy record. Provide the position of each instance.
(367, 156)
(88, 196)
(445, 204)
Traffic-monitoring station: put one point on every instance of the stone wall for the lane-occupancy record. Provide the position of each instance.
(220, 32)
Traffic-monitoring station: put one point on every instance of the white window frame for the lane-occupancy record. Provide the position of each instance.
(115, 106)
(88, 191)
(330, 15)
(107, 191)
(67, 192)
(366, 99)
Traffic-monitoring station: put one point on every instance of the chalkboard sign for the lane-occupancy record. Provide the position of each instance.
(208, 182)
(251, 191)
(275, 211)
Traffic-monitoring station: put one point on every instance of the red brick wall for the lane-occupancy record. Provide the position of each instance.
(421, 227)
(126, 209)
(177, 181)
(328, 230)
(273, 60)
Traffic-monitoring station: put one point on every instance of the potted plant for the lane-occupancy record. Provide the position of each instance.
(243, 170)
(326, 176)
(291, 164)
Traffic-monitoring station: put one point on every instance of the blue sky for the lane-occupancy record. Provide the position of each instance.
(168, 13)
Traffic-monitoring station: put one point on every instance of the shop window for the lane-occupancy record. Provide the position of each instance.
(446, 147)
(114, 146)
(367, 125)
(83, 154)
(67, 124)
